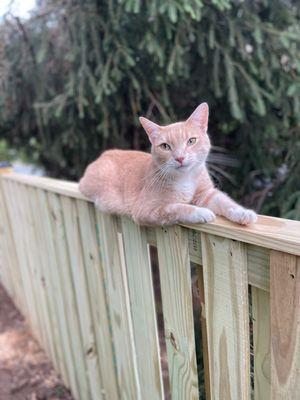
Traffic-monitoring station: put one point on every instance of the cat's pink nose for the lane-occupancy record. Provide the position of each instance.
(180, 159)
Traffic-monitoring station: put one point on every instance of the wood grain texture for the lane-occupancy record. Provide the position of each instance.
(58, 186)
(261, 343)
(45, 273)
(285, 326)
(200, 285)
(72, 313)
(30, 243)
(258, 260)
(83, 301)
(61, 262)
(47, 244)
(143, 311)
(8, 257)
(195, 252)
(227, 317)
(34, 234)
(273, 233)
(87, 307)
(115, 279)
(175, 279)
(95, 281)
(63, 271)
(19, 227)
(68, 304)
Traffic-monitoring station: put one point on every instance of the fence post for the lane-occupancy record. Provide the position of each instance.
(285, 325)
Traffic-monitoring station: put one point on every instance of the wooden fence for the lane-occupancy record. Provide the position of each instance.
(84, 282)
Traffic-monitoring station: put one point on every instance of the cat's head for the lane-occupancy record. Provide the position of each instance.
(181, 146)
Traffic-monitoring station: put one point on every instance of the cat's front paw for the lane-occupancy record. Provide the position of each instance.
(242, 216)
(202, 215)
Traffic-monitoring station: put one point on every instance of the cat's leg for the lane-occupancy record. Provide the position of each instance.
(174, 213)
(223, 205)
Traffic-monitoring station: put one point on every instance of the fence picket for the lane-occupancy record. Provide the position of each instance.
(143, 309)
(19, 227)
(74, 246)
(63, 271)
(121, 324)
(43, 212)
(200, 285)
(38, 258)
(66, 299)
(8, 257)
(31, 254)
(54, 290)
(94, 273)
(285, 325)
(261, 343)
(43, 247)
(227, 316)
(175, 279)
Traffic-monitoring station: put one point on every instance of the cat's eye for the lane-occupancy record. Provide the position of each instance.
(165, 146)
(191, 141)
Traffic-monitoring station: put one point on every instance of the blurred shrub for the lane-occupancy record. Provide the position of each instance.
(76, 75)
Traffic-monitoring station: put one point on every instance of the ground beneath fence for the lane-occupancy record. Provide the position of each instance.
(26, 373)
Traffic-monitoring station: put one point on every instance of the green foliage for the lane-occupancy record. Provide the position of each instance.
(6, 154)
(79, 73)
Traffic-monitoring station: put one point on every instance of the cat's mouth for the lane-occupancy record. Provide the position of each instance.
(181, 166)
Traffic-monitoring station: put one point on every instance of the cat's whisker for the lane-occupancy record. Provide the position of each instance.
(154, 182)
(155, 171)
(158, 180)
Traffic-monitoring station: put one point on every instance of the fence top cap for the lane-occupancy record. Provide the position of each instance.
(270, 232)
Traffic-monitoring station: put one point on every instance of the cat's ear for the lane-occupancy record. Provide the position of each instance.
(200, 117)
(150, 127)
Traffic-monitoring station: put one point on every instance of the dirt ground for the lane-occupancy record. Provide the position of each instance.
(26, 373)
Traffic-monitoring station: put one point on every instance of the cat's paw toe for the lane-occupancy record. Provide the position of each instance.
(242, 216)
(203, 215)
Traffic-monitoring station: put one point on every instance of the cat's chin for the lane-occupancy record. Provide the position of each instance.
(182, 169)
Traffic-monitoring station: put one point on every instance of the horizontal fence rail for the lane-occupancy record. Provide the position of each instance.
(127, 312)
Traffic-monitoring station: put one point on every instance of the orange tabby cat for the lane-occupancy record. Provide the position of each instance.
(168, 186)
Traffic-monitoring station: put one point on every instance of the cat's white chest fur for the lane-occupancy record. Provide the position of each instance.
(186, 187)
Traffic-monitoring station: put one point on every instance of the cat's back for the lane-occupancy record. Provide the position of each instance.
(124, 156)
(124, 162)
(113, 168)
